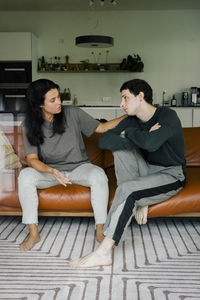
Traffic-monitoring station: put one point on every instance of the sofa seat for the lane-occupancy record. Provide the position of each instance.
(74, 200)
(187, 200)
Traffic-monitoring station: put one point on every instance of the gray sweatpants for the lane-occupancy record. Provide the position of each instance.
(139, 184)
(86, 174)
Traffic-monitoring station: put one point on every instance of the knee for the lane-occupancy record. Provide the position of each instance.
(97, 176)
(118, 153)
(124, 190)
(26, 176)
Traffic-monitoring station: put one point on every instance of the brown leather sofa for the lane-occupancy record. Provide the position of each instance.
(74, 200)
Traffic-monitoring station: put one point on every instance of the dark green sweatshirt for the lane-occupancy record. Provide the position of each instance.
(164, 146)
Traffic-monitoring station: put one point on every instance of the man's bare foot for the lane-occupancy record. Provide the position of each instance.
(94, 259)
(30, 242)
(141, 215)
(99, 234)
(102, 256)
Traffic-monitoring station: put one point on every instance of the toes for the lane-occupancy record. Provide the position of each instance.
(138, 218)
(144, 221)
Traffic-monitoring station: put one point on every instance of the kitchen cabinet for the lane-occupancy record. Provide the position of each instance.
(185, 115)
(19, 46)
(107, 113)
(196, 117)
(189, 116)
(16, 46)
(119, 112)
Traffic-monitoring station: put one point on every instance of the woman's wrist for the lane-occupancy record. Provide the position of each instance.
(51, 170)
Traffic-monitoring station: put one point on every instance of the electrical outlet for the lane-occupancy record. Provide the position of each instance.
(107, 99)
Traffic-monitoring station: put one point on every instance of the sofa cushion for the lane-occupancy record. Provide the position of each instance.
(187, 200)
(59, 198)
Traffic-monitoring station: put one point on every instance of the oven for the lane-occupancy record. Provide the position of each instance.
(15, 77)
(13, 98)
(15, 72)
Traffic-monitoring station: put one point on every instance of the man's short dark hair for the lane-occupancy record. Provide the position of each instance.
(136, 86)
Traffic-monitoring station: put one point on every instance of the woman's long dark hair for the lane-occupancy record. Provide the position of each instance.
(34, 117)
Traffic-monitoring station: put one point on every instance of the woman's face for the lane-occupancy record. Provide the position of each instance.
(52, 103)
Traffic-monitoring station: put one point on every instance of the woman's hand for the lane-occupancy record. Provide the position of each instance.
(155, 127)
(60, 178)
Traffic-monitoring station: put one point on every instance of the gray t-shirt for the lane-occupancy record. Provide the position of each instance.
(65, 151)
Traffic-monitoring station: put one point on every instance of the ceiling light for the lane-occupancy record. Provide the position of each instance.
(94, 41)
(91, 2)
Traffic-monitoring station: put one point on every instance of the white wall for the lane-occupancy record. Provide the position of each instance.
(167, 41)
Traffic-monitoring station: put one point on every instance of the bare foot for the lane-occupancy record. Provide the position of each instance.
(91, 260)
(94, 259)
(141, 215)
(102, 256)
(30, 242)
(99, 234)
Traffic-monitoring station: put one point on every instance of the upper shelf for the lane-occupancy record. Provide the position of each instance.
(83, 68)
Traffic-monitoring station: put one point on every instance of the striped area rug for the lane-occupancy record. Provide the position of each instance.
(159, 260)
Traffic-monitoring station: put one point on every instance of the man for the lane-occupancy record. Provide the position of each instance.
(145, 179)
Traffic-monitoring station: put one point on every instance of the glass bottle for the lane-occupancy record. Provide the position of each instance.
(55, 63)
(58, 64)
(165, 101)
(39, 64)
(75, 100)
(50, 63)
(43, 64)
(173, 101)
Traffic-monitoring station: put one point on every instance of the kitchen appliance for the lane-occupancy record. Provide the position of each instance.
(13, 99)
(15, 72)
(15, 77)
(198, 97)
(194, 93)
(185, 99)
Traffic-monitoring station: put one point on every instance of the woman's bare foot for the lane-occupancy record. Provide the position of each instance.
(32, 239)
(29, 243)
(102, 256)
(99, 234)
(141, 215)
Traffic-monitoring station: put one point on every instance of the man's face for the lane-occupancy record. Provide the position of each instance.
(130, 103)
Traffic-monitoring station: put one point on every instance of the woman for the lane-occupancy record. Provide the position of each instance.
(55, 154)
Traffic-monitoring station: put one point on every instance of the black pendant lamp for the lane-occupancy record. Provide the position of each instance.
(94, 41)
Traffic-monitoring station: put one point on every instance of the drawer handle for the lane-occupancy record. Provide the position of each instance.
(15, 96)
(14, 69)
